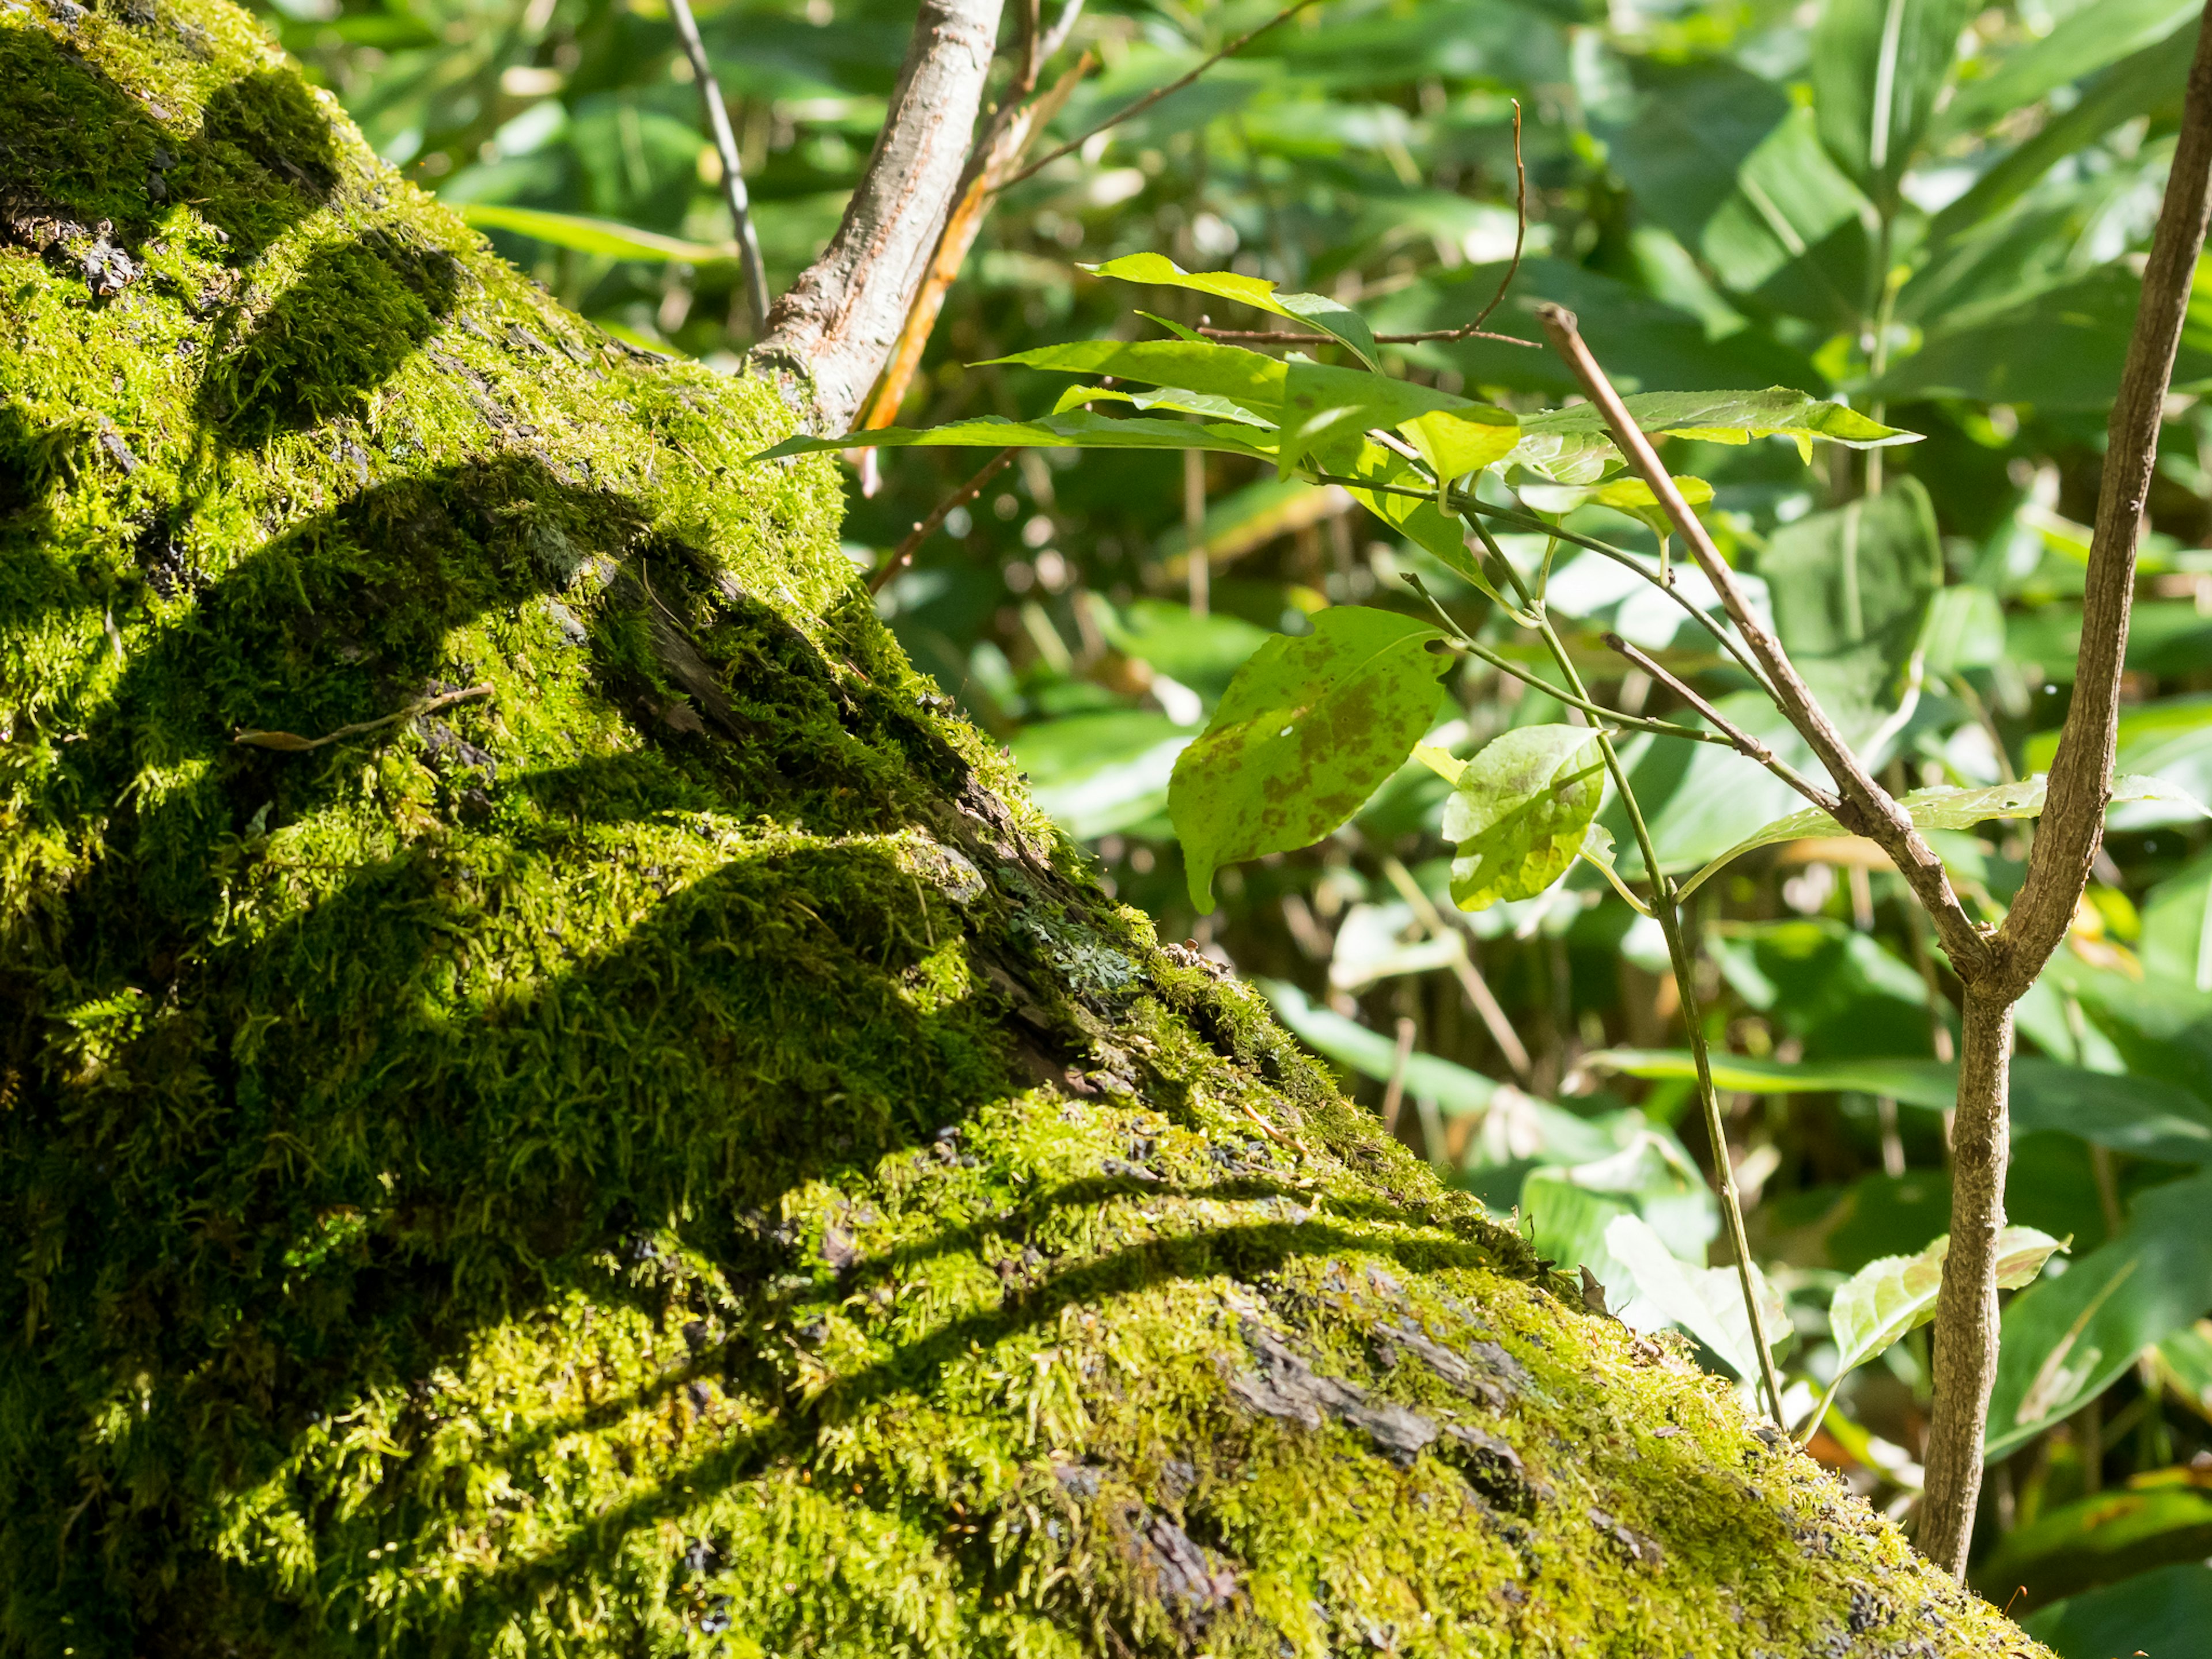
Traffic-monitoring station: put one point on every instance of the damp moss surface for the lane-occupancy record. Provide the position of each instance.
(554, 1100)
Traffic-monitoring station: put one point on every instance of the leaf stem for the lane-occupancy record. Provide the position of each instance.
(1665, 911)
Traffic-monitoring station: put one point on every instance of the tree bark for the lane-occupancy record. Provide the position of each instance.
(828, 336)
(2066, 839)
(1965, 1335)
(674, 1151)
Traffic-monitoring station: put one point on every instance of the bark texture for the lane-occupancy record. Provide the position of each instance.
(828, 337)
(674, 1156)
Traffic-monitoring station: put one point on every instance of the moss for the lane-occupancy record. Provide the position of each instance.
(666, 1153)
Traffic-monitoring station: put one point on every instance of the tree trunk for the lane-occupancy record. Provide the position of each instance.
(665, 1149)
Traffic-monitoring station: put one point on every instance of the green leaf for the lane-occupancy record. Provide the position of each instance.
(1947, 809)
(2081, 44)
(2143, 1116)
(1457, 1090)
(1630, 496)
(1308, 730)
(1329, 409)
(2166, 1610)
(2065, 1340)
(1706, 1302)
(1167, 397)
(1097, 773)
(1965, 629)
(1312, 310)
(1886, 1299)
(1068, 431)
(1731, 417)
(603, 237)
(1518, 815)
(1417, 518)
(1877, 67)
(1249, 379)
(2109, 1539)
(1850, 589)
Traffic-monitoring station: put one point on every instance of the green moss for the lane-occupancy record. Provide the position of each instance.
(666, 1153)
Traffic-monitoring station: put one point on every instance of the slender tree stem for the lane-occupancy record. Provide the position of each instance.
(1666, 912)
(1746, 746)
(733, 178)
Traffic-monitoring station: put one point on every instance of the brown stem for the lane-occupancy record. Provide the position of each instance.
(902, 555)
(1746, 746)
(1865, 808)
(2066, 844)
(1154, 97)
(830, 334)
(1967, 1306)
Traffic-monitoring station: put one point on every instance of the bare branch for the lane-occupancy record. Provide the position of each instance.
(1746, 746)
(1520, 227)
(829, 335)
(733, 173)
(1865, 808)
(902, 555)
(2066, 846)
(1153, 98)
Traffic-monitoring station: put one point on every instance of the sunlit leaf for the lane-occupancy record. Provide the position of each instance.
(1171, 398)
(1328, 410)
(1630, 496)
(1073, 430)
(1877, 66)
(1249, 380)
(603, 237)
(1947, 809)
(2079, 45)
(1417, 518)
(1731, 417)
(1706, 1302)
(1517, 813)
(1879, 1303)
(1308, 730)
(2066, 1339)
(1312, 310)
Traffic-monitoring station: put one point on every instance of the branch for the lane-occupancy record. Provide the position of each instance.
(1153, 98)
(828, 337)
(1746, 746)
(902, 555)
(1865, 808)
(1474, 331)
(733, 175)
(2080, 786)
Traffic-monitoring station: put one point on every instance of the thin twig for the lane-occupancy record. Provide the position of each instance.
(1519, 226)
(1153, 98)
(1474, 331)
(1528, 677)
(295, 745)
(902, 555)
(1393, 1092)
(1865, 806)
(1746, 744)
(733, 177)
(1466, 503)
(1463, 969)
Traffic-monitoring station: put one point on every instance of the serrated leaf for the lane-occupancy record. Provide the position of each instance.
(1518, 813)
(603, 237)
(1630, 496)
(1308, 730)
(1706, 1302)
(1947, 809)
(1564, 458)
(1073, 430)
(1313, 310)
(1886, 1299)
(1457, 441)
(1249, 380)
(1731, 417)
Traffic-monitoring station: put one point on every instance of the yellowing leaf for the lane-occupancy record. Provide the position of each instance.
(1518, 815)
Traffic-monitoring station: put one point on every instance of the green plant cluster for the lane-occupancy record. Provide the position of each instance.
(554, 1098)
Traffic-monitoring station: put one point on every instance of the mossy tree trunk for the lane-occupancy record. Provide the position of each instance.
(665, 1150)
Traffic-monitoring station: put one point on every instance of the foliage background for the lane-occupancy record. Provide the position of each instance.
(1932, 211)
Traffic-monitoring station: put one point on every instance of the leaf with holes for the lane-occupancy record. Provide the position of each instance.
(1518, 815)
(1308, 730)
